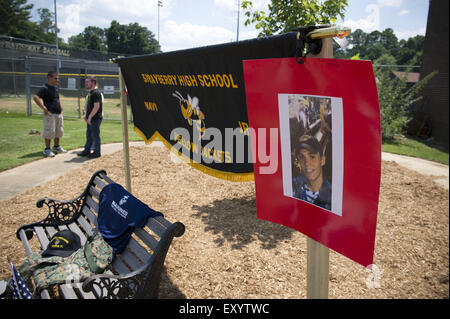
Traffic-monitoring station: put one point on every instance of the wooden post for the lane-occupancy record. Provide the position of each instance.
(317, 270)
(126, 152)
(318, 255)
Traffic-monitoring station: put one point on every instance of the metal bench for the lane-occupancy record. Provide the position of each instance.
(135, 273)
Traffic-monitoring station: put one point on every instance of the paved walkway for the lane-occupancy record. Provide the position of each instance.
(439, 172)
(20, 179)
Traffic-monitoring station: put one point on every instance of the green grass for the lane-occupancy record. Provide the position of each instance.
(428, 150)
(73, 106)
(18, 146)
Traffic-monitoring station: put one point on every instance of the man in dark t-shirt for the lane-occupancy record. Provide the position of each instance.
(93, 116)
(47, 98)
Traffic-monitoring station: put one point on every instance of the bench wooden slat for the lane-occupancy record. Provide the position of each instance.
(42, 236)
(100, 182)
(94, 192)
(93, 205)
(132, 261)
(51, 231)
(25, 242)
(67, 291)
(87, 228)
(163, 221)
(75, 291)
(148, 239)
(119, 266)
(90, 216)
(156, 227)
(106, 178)
(74, 227)
(45, 294)
(138, 250)
(63, 227)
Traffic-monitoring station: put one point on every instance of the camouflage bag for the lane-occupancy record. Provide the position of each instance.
(98, 254)
(92, 258)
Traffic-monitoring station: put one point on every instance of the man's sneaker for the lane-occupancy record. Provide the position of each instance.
(48, 153)
(58, 149)
(83, 153)
(93, 155)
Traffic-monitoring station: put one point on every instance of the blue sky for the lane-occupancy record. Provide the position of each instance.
(191, 23)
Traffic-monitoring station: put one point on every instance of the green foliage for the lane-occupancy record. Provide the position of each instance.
(395, 99)
(46, 25)
(15, 22)
(92, 38)
(130, 39)
(15, 18)
(287, 15)
(373, 45)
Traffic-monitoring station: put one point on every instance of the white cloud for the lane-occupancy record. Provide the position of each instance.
(187, 35)
(69, 19)
(403, 12)
(405, 35)
(74, 17)
(229, 5)
(368, 24)
(390, 3)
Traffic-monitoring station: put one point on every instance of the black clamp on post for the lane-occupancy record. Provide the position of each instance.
(313, 46)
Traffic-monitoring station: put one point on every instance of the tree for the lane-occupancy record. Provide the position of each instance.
(15, 22)
(388, 39)
(371, 46)
(47, 26)
(287, 15)
(410, 51)
(130, 39)
(395, 98)
(15, 19)
(92, 38)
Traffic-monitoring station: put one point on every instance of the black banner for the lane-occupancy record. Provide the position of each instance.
(194, 101)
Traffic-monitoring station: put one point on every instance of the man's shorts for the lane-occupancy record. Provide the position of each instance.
(53, 126)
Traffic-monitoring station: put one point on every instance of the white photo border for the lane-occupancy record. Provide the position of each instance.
(337, 117)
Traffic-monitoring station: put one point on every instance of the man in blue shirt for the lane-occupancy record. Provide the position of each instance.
(311, 185)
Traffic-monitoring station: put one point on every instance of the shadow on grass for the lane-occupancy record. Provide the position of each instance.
(430, 142)
(32, 155)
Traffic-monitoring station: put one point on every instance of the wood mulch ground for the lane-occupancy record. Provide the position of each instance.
(226, 252)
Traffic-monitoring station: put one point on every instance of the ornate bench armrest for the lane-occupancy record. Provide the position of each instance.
(108, 286)
(59, 213)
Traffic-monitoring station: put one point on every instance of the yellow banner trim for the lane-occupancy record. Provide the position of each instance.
(233, 177)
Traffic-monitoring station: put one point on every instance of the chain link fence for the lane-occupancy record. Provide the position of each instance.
(23, 70)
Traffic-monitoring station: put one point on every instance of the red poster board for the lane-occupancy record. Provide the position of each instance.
(335, 101)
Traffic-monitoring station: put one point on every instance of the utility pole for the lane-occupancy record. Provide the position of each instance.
(239, 9)
(159, 5)
(56, 35)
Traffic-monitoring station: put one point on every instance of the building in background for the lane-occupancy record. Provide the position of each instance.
(432, 112)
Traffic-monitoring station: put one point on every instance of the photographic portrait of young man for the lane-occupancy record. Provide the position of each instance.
(311, 184)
